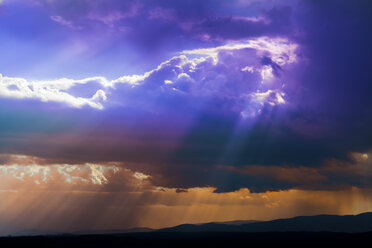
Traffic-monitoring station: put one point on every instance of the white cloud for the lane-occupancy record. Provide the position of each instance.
(249, 68)
(194, 72)
(64, 22)
(97, 173)
(140, 176)
(23, 172)
(47, 91)
(271, 97)
(266, 73)
(280, 50)
(259, 99)
(87, 173)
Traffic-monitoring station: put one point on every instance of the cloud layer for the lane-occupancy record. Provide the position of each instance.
(207, 76)
(234, 94)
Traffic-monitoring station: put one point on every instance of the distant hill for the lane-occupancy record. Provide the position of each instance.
(237, 222)
(318, 223)
(114, 231)
(193, 239)
(35, 232)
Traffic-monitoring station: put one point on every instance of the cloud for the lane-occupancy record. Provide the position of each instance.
(29, 169)
(123, 189)
(97, 173)
(88, 173)
(281, 51)
(188, 76)
(160, 25)
(140, 176)
(64, 22)
(112, 16)
(332, 175)
(46, 91)
(276, 20)
(269, 89)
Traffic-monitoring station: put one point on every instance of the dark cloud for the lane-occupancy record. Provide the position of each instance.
(176, 24)
(274, 21)
(329, 119)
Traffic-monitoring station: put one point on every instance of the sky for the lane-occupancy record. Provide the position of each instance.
(153, 113)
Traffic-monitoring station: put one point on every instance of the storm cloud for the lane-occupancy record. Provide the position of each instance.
(227, 101)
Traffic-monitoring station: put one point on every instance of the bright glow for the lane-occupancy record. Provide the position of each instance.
(140, 176)
(92, 173)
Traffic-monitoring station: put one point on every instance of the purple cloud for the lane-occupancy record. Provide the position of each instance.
(207, 91)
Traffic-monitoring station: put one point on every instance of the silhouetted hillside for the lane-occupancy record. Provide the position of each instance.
(36, 232)
(319, 223)
(114, 231)
(237, 222)
(303, 231)
(192, 239)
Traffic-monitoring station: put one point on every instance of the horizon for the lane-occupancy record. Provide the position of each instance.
(37, 232)
(152, 113)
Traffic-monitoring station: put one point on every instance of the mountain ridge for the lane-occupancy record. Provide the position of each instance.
(316, 223)
(359, 223)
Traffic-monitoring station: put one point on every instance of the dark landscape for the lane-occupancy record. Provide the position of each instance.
(304, 231)
(270, 239)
